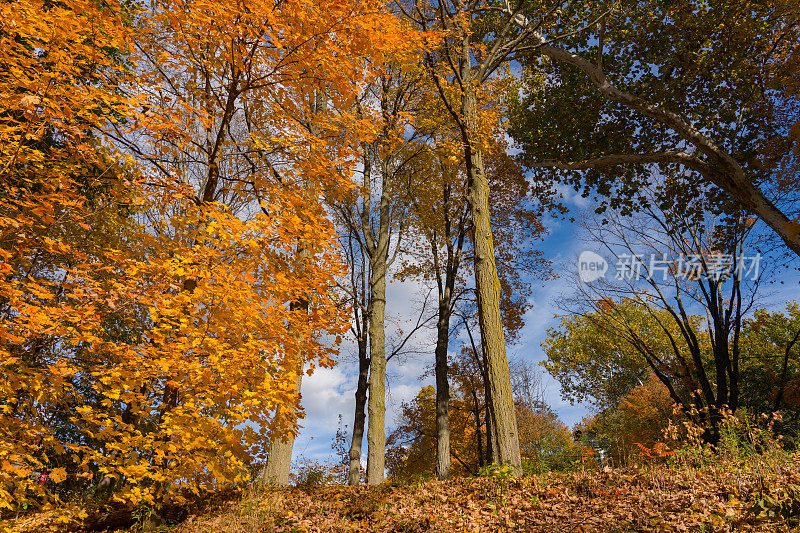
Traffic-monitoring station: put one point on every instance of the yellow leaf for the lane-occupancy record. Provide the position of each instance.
(58, 475)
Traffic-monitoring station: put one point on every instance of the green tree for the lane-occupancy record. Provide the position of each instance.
(593, 363)
(684, 87)
(771, 365)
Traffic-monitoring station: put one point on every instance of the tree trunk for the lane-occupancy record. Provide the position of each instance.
(354, 470)
(279, 454)
(487, 287)
(478, 440)
(376, 433)
(446, 289)
(443, 389)
(378, 251)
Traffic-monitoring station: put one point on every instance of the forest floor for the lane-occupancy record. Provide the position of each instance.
(650, 498)
(654, 499)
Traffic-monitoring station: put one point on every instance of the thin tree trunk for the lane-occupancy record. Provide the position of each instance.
(378, 251)
(784, 372)
(443, 390)
(478, 440)
(354, 470)
(480, 361)
(446, 291)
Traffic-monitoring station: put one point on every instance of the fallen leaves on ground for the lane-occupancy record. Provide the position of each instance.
(645, 498)
(653, 499)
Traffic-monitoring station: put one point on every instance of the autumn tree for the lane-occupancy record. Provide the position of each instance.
(439, 221)
(279, 454)
(477, 40)
(275, 115)
(670, 271)
(373, 218)
(597, 366)
(771, 366)
(631, 406)
(444, 223)
(635, 429)
(169, 339)
(684, 88)
(51, 173)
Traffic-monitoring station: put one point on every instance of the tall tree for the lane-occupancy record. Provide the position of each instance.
(273, 115)
(441, 217)
(168, 339)
(358, 294)
(281, 443)
(375, 215)
(476, 42)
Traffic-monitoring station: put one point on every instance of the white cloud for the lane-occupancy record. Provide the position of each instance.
(330, 392)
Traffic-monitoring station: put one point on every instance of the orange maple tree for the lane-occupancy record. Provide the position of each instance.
(146, 333)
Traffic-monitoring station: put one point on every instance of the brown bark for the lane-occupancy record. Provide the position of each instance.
(279, 454)
(376, 432)
(487, 287)
(354, 470)
(487, 282)
(443, 390)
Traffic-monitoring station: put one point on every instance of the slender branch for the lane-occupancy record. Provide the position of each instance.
(670, 156)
